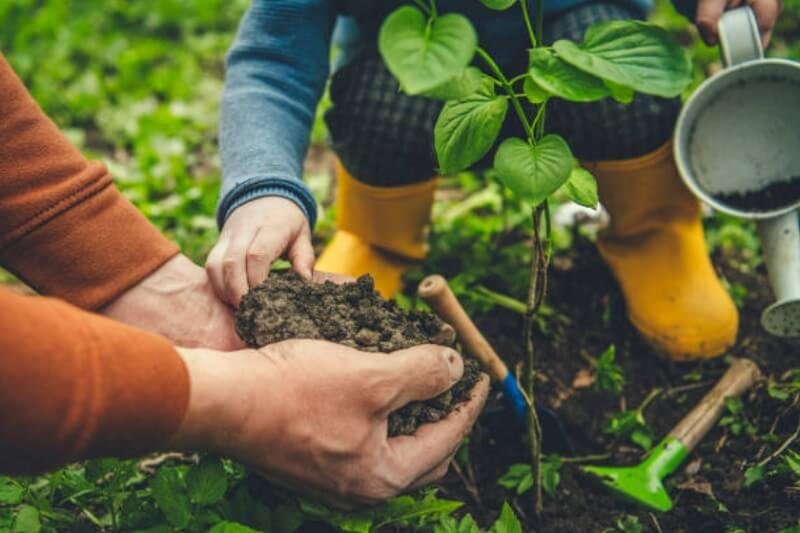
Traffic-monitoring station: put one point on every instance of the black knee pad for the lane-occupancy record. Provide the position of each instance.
(381, 135)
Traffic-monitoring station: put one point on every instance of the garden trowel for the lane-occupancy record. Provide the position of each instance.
(437, 294)
(642, 484)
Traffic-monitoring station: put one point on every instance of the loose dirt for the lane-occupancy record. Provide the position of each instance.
(286, 306)
(774, 196)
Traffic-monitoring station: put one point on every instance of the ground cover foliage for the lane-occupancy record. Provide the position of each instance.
(137, 84)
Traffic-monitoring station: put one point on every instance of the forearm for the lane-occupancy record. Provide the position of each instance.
(276, 72)
(64, 228)
(75, 385)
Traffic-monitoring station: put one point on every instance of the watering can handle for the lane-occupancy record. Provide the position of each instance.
(739, 377)
(739, 38)
(437, 294)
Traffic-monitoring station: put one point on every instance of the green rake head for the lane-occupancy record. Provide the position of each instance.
(642, 484)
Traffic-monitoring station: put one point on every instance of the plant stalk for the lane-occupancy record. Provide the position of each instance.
(509, 89)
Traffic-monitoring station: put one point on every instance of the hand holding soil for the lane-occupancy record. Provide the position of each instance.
(313, 415)
(354, 315)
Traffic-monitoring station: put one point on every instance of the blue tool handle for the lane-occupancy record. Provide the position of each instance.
(514, 396)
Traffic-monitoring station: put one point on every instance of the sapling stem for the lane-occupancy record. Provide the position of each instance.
(420, 4)
(509, 89)
(527, 17)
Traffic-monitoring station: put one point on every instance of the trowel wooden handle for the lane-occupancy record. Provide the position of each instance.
(739, 377)
(436, 292)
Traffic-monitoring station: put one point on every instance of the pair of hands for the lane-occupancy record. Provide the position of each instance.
(310, 415)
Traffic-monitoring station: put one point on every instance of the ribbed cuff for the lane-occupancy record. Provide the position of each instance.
(252, 189)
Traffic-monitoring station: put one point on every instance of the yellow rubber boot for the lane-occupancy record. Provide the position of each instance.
(380, 231)
(655, 248)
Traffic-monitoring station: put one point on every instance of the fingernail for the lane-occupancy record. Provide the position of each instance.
(455, 364)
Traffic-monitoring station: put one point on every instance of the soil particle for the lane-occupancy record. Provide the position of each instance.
(286, 307)
(774, 196)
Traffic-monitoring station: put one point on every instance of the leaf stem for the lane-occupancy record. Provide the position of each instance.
(507, 86)
(421, 4)
(434, 13)
(527, 17)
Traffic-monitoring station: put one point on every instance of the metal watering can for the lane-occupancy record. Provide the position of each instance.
(737, 147)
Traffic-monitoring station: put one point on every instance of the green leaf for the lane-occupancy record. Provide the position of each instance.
(458, 87)
(232, 527)
(466, 129)
(451, 525)
(551, 476)
(620, 93)
(207, 482)
(581, 188)
(642, 437)
(169, 492)
(635, 54)
(507, 522)
(534, 92)
(561, 79)
(793, 462)
(518, 478)
(533, 172)
(27, 520)
(753, 475)
(405, 508)
(11, 492)
(424, 54)
(498, 5)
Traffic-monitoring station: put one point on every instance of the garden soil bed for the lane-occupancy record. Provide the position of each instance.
(590, 318)
(707, 491)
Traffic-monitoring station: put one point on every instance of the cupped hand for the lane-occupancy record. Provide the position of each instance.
(312, 415)
(178, 302)
(255, 235)
(710, 11)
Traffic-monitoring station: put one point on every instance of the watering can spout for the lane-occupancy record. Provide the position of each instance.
(780, 242)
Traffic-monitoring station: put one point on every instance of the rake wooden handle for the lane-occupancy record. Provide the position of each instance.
(436, 292)
(739, 377)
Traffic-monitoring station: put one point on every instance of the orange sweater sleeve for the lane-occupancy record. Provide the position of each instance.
(64, 228)
(75, 385)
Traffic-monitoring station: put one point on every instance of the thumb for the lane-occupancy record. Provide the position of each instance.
(420, 373)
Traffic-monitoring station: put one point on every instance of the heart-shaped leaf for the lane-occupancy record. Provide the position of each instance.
(498, 5)
(581, 187)
(533, 172)
(631, 53)
(423, 54)
(534, 92)
(461, 86)
(561, 79)
(466, 129)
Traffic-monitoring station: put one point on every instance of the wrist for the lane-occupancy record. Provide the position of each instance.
(227, 391)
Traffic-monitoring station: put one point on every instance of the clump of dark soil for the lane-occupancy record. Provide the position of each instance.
(774, 196)
(286, 306)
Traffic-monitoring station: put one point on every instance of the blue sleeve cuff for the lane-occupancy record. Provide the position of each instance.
(253, 188)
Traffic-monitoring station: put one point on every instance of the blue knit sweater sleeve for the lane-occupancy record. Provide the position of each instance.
(275, 74)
